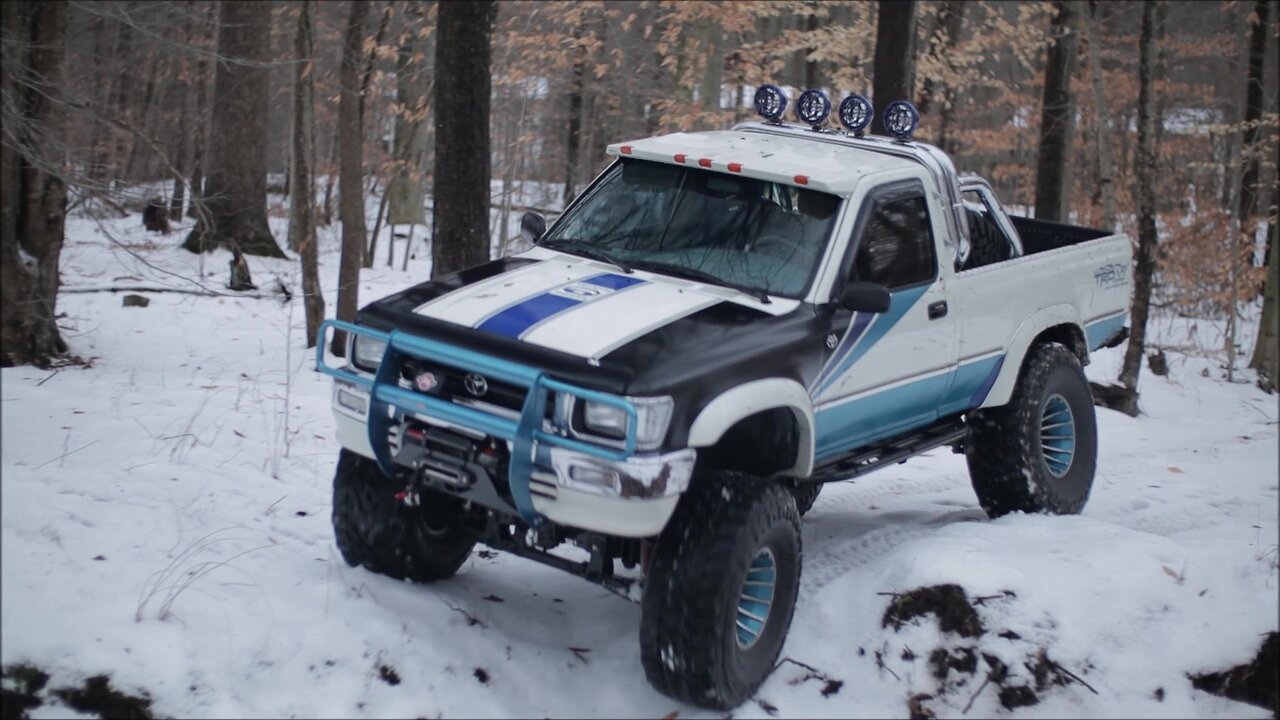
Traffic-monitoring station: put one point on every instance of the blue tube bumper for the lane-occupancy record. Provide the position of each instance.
(388, 403)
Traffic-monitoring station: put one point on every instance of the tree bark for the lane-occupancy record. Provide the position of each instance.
(404, 189)
(892, 69)
(302, 221)
(350, 172)
(573, 128)
(1057, 114)
(235, 198)
(941, 46)
(195, 207)
(1144, 261)
(1105, 192)
(33, 195)
(1266, 349)
(1250, 187)
(461, 216)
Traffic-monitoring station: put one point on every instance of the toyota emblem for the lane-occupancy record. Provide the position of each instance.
(476, 384)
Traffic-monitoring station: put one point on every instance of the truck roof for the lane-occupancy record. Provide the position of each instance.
(788, 154)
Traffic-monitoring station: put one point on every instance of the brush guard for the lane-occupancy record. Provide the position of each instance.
(388, 403)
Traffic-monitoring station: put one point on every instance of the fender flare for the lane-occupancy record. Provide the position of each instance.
(1020, 344)
(747, 399)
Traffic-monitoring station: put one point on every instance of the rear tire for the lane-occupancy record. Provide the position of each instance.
(372, 528)
(721, 590)
(1038, 453)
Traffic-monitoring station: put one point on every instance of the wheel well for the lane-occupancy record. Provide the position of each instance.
(762, 444)
(1068, 335)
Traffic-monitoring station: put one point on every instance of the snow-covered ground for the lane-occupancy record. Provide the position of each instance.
(165, 519)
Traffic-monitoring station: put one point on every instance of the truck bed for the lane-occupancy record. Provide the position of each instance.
(1041, 235)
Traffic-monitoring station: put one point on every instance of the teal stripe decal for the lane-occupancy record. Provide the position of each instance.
(899, 303)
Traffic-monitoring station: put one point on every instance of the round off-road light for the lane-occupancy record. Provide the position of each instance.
(901, 119)
(813, 107)
(770, 102)
(855, 113)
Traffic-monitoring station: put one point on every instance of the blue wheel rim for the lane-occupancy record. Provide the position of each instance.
(1057, 435)
(755, 600)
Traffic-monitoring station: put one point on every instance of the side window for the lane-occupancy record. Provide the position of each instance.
(896, 249)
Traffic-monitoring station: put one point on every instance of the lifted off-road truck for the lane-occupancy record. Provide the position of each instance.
(719, 324)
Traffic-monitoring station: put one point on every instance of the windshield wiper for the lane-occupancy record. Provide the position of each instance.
(586, 249)
(693, 274)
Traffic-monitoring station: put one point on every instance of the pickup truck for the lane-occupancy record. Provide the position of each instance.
(653, 394)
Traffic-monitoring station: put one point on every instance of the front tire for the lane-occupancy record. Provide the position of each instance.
(1038, 453)
(721, 590)
(372, 528)
(806, 496)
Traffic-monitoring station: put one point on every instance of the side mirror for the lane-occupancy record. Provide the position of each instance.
(532, 226)
(865, 297)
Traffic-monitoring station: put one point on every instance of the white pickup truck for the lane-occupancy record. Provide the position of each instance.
(719, 324)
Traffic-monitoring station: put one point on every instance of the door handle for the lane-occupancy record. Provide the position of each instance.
(937, 310)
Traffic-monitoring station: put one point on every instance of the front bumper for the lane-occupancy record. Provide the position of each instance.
(551, 477)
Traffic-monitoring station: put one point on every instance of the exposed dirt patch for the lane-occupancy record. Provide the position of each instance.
(388, 675)
(18, 694)
(948, 602)
(962, 670)
(97, 696)
(1256, 682)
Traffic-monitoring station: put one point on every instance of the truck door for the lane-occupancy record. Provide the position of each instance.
(888, 371)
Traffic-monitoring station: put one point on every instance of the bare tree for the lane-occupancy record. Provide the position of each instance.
(1250, 185)
(405, 191)
(235, 198)
(351, 172)
(33, 195)
(302, 194)
(942, 45)
(1105, 191)
(1057, 113)
(1266, 349)
(1144, 260)
(893, 69)
(461, 217)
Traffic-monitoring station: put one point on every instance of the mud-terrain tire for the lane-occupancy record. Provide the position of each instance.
(1038, 453)
(806, 496)
(732, 547)
(421, 544)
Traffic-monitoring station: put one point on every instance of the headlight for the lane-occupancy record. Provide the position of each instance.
(652, 417)
(368, 353)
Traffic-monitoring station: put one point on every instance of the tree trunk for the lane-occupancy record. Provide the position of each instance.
(941, 46)
(573, 135)
(1144, 262)
(714, 70)
(461, 216)
(404, 189)
(1250, 186)
(812, 68)
(33, 195)
(350, 170)
(200, 120)
(235, 197)
(1266, 350)
(892, 70)
(1057, 114)
(302, 222)
(1105, 192)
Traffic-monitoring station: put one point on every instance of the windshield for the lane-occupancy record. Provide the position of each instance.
(725, 229)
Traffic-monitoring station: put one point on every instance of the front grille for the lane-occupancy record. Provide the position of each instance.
(453, 386)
